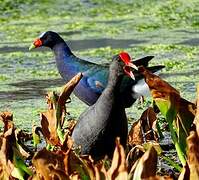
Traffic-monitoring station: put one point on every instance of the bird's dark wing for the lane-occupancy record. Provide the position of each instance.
(97, 78)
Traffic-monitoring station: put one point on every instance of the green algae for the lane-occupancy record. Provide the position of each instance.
(96, 30)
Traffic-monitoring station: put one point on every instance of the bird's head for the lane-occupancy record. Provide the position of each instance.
(125, 64)
(47, 39)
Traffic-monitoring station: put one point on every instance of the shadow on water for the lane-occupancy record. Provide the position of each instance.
(83, 44)
(186, 31)
(33, 89)
(191, 42)
(68, 33)
(188, 73)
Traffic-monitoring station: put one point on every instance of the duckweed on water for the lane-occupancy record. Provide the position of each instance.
(95, 31)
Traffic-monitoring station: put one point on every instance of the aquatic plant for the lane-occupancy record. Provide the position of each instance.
(57, 159)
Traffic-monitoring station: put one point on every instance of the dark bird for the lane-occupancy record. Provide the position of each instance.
(98, 127)
(95, 77)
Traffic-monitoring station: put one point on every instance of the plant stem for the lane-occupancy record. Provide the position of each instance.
(177, 145)
(172, 163)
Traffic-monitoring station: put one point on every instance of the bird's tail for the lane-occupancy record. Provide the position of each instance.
(154, 69)
(143, 61)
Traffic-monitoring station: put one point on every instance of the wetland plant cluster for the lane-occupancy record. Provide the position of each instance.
(98, 29)
(51, 154)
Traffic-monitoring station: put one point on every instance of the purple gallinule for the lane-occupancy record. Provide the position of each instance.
(95, 77)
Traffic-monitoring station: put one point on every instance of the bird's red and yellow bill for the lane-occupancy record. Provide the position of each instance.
(36, 43)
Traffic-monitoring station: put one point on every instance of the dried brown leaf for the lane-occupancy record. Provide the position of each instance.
(159, 88)
(49, 127)
(184, 120)
(51, 99)
(74, 176)
(95, 171)
(5, 169)
(68, 89)
(6, 117)
(148, 123)
(135, 136)
(185, 173)
(73, 163)
(178, 112)
(67, 144)
(46, 163)
(192, 170)
(11, 153)
(64, 96)
(54, 118)
(196, 120)
(147, 164)
(165, 96)
(159, 178)
(133, 155)
(193, 155)
(70, 126)
(144, 129)
(118, 169)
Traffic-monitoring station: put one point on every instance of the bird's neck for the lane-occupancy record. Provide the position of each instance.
(61, 49)
(115, 76)
(114, 83)
(64, 60)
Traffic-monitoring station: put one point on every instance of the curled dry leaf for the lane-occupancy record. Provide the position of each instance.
(49, 164)
(118, 169)
(53, 119)
(51, 99)
(64, 96)
(63, 162)
(196, 120)
(135, 136)
(6, 117)
(166, 97)
(68, 89)
(49, 127)
(133, 155)
(89, 164)
(191, 171)
(11, 152)
(185, 173)
(75, 164)
(184, 120)
(5, 168)
(70, 126)
(160, 178)
(67, 144)
(193, 155)
(146, 166)
(95, 171)
(178, 112)
(144, 129)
